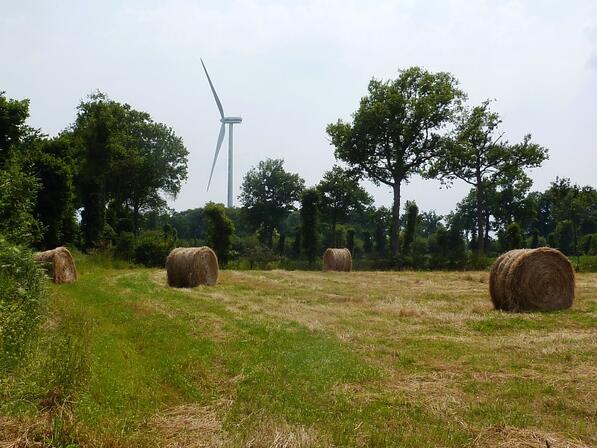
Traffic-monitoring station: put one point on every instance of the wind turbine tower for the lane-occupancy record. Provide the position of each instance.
(230, 121)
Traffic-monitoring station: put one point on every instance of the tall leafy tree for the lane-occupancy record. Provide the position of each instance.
(220, 230)
(268, 194)
(53, 163)
(397, 131)
(127, 160)
(18, 191)
(18, 185)
(13, 115)
(310, 223)
(478, 156)
(412, 212)
(341, 195)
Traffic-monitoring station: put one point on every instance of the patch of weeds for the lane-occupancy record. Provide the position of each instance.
(48, 377)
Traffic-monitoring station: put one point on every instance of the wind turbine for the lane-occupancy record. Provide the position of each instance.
(230, 121)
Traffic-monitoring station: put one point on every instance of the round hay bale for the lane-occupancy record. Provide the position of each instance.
(59, 264)
(188, 267)
(337, 260)
(532, 280)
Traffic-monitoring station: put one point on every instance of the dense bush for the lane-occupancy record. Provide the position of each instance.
(21, 290)
(152, 248)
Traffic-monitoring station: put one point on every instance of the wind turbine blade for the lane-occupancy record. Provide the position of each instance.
(218, 146)
(213, 90)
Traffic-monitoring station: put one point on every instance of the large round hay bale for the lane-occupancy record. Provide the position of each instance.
(532, 280)
(337, 260)
(59, 264)
(188, 267)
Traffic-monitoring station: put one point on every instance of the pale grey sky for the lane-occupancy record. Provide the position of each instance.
(291, 67)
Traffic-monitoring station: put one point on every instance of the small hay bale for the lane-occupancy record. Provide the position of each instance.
(337, 260)
(532, 280)
(188, 267)
(59, 264)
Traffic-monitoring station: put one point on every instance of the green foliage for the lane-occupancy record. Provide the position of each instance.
(127, 160)
(21, 292)
(125, 246)
(13, 114)
(269, 194)
(52, 161)
(340, 197)
(478, 156)
(152, 247)
(397, 130)
(535, 241)
(513, 236)
(220, 230)
(350, 241)
(18, 192)
(310, 223)
(564, 237)
(412, 212)
(297, 242)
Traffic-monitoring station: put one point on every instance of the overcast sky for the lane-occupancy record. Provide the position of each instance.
(291, 67)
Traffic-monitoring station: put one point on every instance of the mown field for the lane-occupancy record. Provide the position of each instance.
(302, 359)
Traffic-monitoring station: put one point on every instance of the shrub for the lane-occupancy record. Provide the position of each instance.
(21, 290)
(152, 248)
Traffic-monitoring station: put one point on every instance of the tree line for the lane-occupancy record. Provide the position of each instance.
(103, 184)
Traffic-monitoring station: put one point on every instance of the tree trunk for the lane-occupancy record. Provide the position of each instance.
(480, 218)
(136, 218)
(395, 227)
(486, 239)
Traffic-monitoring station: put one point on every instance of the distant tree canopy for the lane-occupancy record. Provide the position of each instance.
(269, 193)
(397, 131)
(340, 196)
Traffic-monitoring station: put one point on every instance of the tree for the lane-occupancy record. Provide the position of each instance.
(220, 230)
(568, 202)
(478, 157)
(396, 131)
(412, 212)
(381, 218)
(310, 223)
(13, 114)
(564, 237)
(341, 195)
(269, 194)
(127, 160)
(513, 236)
(54, 165)
(428, 222)
(350, 241)
(18, 192)
(18, 185)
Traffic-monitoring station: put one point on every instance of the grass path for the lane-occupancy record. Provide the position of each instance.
(306, 359)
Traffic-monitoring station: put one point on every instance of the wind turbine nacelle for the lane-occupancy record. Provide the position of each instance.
(234, 120)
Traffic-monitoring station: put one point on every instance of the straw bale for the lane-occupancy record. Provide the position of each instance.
(188, 267)
(532, 280)
(337, 260)
(59, 264)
